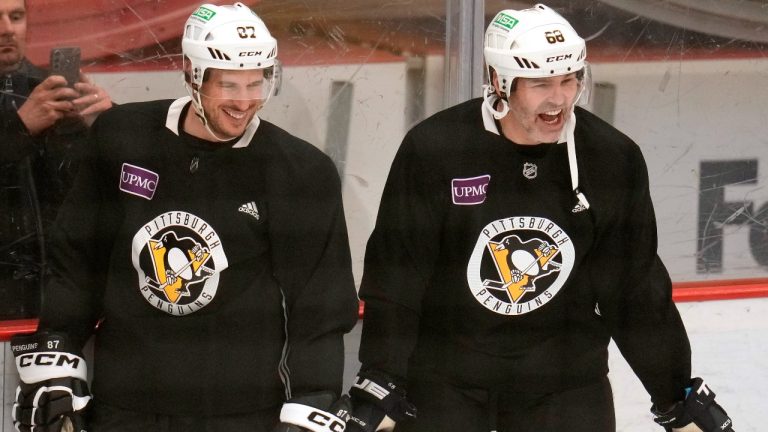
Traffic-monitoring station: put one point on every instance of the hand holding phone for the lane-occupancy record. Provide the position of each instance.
(65, 61)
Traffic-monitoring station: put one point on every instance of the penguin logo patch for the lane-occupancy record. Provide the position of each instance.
(519, 264)
(178, 258)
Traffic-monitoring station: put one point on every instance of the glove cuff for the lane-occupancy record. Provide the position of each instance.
(380, 391)
(310, 418)
(699, 408)
(675, 417)
(45, 356)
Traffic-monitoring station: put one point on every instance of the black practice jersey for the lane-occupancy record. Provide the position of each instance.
(486, 270)
(219, 273)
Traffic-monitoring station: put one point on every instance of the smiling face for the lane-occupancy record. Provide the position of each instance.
(13, 33)
(230, 100)
(539, 107)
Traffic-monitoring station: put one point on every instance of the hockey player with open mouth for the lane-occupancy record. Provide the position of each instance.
(515, 239)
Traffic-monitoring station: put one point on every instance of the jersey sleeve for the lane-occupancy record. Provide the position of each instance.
(81, 241)
(311, 258)
(645, 322)
(399, 261)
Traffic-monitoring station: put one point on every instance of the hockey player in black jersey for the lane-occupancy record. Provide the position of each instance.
(515, 238)
(209, 250)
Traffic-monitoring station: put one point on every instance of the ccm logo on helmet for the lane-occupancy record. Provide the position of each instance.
(49, 359)
(559, 58)
(324, 419)
(249, 54)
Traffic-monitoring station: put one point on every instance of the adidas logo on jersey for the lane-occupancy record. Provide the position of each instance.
(251, 209)
(579, 207)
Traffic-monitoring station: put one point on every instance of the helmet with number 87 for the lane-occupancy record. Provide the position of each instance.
(230, 37)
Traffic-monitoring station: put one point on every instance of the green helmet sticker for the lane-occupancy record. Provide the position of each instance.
(204, 13)
(506, 21)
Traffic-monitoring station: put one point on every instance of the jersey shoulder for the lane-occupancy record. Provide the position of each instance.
(464, 118)
(594, 133)
(611, 164)
(130, 131)
(453, 131)
(598, 143)
(290, 155)
(153, 111)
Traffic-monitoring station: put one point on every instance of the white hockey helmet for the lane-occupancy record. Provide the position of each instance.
(531, 43)
(230, 37)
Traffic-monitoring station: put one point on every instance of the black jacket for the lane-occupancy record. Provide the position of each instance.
(35, 175)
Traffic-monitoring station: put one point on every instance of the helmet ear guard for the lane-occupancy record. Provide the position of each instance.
(489, 100)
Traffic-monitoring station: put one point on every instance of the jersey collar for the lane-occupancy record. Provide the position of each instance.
(173, 119)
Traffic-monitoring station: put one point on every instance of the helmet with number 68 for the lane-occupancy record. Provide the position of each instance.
(531, 43)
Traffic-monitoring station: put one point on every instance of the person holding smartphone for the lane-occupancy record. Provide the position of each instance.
(43, 120)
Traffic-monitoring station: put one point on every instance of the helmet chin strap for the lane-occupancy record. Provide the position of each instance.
(570, 143)
(197, 103)
(489, 99)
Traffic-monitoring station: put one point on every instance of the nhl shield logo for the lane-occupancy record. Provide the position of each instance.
(530, 170)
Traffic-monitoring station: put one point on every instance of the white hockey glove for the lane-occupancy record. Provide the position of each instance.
(53, 391)
(315, 412)
(377, 403)
(697, 413)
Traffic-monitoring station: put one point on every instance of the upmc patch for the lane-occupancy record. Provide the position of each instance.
(470, 191)
(138, 181)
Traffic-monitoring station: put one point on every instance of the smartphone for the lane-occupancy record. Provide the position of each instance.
(65, 61)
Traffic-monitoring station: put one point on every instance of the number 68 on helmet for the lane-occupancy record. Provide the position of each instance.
(533, 43)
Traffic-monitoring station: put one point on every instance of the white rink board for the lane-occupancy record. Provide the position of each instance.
(729, 341)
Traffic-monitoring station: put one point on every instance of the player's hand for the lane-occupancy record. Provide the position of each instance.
(91, 101)
(53, 392)
(49, 102)
(377, 403)
(316, 412)
(367, 417)
(698, 412)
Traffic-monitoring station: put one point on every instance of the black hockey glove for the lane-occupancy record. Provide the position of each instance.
(53, 390)
(315, 412)
(699, 408)
(377, 403)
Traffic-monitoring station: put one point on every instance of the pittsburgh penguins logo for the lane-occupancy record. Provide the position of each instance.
(519, 264)
(178, 258)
